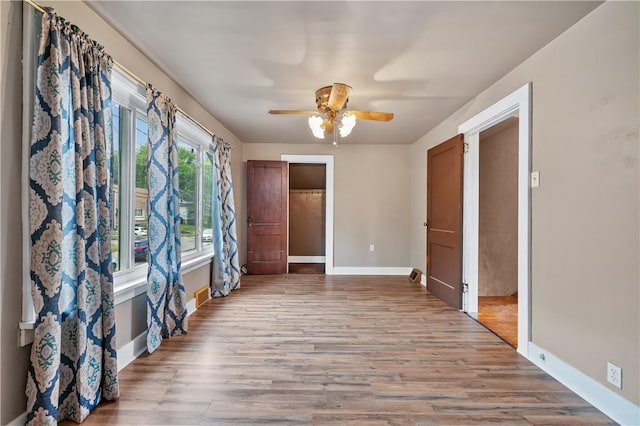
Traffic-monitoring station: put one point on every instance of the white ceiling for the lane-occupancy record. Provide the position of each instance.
(420, 60)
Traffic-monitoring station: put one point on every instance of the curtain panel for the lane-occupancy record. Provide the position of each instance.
(73, 356)
(166, 301)
(226, 264)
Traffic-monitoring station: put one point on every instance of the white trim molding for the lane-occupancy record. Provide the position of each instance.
(21, 420)
(327, 160)
(306, 259)
(133, 349)
(595, 393)
(372, 270)
(517, 103)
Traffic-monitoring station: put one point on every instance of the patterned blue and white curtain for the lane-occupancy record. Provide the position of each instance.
(225, 241)
(166, 301)
(73, 357)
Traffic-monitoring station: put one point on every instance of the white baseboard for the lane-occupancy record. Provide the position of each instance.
(604, 399)
(21, 420)
(371, 270)
(191, 306)
(306, 259)
(423, 280)
(132, 350)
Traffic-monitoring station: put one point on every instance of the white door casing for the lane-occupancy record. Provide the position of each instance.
(327, 160)
(517, 103)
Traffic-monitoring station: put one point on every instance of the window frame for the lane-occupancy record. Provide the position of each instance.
(132, 96)
(191, 134)
(130, 282)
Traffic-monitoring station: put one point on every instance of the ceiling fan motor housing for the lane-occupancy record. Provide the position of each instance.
(322, 99)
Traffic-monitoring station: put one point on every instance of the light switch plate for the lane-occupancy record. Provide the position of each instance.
(535, 179)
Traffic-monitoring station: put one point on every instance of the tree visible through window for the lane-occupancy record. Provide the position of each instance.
(187, 172)
(207, 201)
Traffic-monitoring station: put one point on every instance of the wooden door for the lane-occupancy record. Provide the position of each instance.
(267, 190)
(444, 221)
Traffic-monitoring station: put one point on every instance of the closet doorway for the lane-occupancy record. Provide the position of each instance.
(307, 218)
(310, 208)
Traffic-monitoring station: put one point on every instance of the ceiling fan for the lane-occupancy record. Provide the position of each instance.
(331, 102)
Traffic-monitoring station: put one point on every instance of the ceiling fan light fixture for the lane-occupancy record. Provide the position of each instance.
(347, 123)
(315, 124)
(332, 116)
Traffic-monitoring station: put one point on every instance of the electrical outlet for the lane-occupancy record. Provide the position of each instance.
(372, 247)
(614, 375)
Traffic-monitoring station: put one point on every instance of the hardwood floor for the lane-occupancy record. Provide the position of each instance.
(500, 315)
(315, 349)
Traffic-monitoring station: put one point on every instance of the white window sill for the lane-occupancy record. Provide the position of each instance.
(124, 291)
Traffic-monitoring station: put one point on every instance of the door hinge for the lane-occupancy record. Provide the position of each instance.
(465, 287)
(465, 147)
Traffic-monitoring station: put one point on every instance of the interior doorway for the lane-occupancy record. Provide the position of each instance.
(326, 163)
(307, 218)
(517, 104)
(498, 230)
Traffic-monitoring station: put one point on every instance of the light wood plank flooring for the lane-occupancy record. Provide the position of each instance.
(500, 315)
(315, 349)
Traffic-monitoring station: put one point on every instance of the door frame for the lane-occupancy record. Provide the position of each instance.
(518, 102)
(327, 160)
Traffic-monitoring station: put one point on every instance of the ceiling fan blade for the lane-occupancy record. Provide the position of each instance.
(339, 95)
(373, 115)
(293, 111)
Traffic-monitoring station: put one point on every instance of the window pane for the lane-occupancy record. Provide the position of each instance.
(139, 238)
(115, 202)
(207, 205)
(187, 171)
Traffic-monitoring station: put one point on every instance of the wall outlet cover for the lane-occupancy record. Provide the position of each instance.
(614, 375)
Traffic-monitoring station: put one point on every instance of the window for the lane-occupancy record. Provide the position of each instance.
(196, 177)
(187, 175)
(131, 202)
(207, 201)
(141, 193)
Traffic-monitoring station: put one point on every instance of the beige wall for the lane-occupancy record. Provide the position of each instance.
(130, 315)
(369, 200)
(585, 215)
(498, 210)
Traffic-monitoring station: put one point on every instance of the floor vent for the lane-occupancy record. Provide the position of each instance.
(202, 295)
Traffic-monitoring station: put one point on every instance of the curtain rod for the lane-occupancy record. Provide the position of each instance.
(124, 69)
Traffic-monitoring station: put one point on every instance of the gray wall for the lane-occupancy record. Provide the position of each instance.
(585, 215)
(130, 315)
(14, 358)
(498, 210)
(369, 200)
